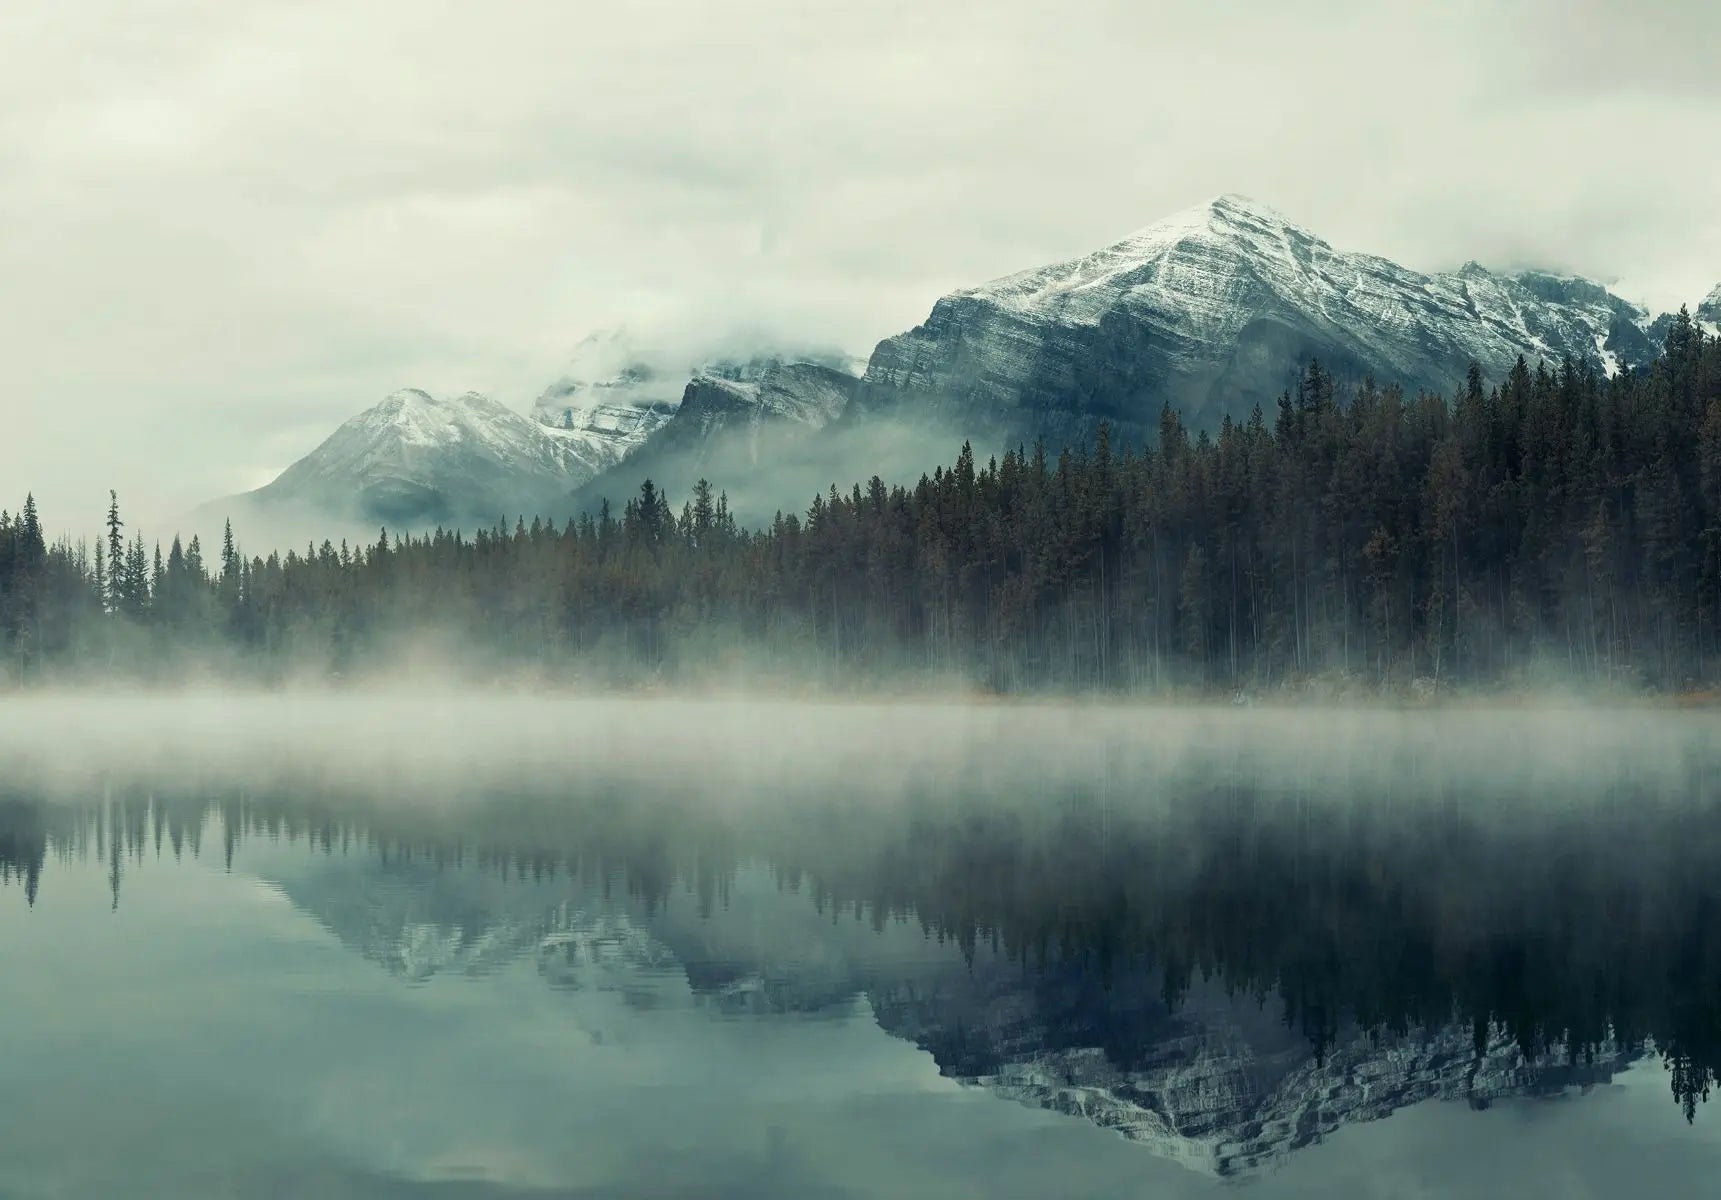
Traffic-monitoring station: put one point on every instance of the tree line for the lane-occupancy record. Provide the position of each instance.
(1557, 524)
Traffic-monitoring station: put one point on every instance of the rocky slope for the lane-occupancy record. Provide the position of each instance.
(1214, 311)
(610, 398)
(600, 433)
(1709, 311)
(413, 461)
(747, 403)
(616, 394)
(735, 422)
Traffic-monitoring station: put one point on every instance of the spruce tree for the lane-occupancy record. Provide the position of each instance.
(116, 559)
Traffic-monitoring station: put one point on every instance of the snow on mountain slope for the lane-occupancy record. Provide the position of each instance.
(610, 398)
(416, 460)
(1708, 311)
(601, 433)
(408, 436)
(616, 393)
(735, 422)
(1214, 266)
(1215, 310)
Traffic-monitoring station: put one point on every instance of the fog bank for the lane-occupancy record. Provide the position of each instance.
(429, 745)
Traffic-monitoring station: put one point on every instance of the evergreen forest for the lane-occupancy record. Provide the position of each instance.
(1554, 526)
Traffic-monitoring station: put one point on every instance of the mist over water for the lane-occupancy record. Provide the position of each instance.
(506, 943)
(413, 731)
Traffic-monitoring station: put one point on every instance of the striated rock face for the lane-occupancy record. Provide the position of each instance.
(734, 419)
(609, 400)
(600, 434)
(613, 398)
(748, 404)
(1219, 1085)
(1709, 311)
(1216, 310)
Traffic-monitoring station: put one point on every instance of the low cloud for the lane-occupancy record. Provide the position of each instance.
(228, 228)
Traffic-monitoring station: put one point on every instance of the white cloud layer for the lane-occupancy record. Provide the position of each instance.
(226, 225)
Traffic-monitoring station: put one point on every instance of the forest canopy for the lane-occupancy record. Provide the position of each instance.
(1556, 524)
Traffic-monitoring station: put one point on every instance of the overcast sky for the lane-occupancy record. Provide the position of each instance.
(227, 225)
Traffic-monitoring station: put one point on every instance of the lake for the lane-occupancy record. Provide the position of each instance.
(495, 946)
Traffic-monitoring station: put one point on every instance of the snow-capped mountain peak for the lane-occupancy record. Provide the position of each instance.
(1166, 253)
(1215, 310)
(610, 398)
(410, 431)
(617, 403)
(412, 460)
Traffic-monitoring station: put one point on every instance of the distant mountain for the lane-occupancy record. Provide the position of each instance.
(736, 421)
(610, 397)
(412, 461)
(616, 395)
(1709, 311)
(1215, 310)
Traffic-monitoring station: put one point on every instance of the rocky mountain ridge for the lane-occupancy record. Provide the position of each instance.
(1214, 310)
(734, 421)
(413, 461)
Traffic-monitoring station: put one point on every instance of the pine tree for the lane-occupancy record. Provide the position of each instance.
(230, 581)
(32, 546)
(158, 575)
(117, 579)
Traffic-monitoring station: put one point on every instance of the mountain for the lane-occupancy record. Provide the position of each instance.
(602, 431)
(736, 420)
(415, 460)
(749, 402)
(617, 393)
(610, 398)
(1709, 311)
(1215, 310)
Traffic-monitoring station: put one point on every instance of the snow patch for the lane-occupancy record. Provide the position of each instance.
(1201, 276)
(1609, 360)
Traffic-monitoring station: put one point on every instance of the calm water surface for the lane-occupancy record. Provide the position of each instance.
(1419, 974)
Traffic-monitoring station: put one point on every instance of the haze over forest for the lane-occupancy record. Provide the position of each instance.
(1472, 440)
(1560, 527)
(782, 600)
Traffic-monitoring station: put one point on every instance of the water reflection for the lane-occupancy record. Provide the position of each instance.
(1224, 974)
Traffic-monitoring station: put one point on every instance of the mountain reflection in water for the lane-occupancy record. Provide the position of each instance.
(1223, 973)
